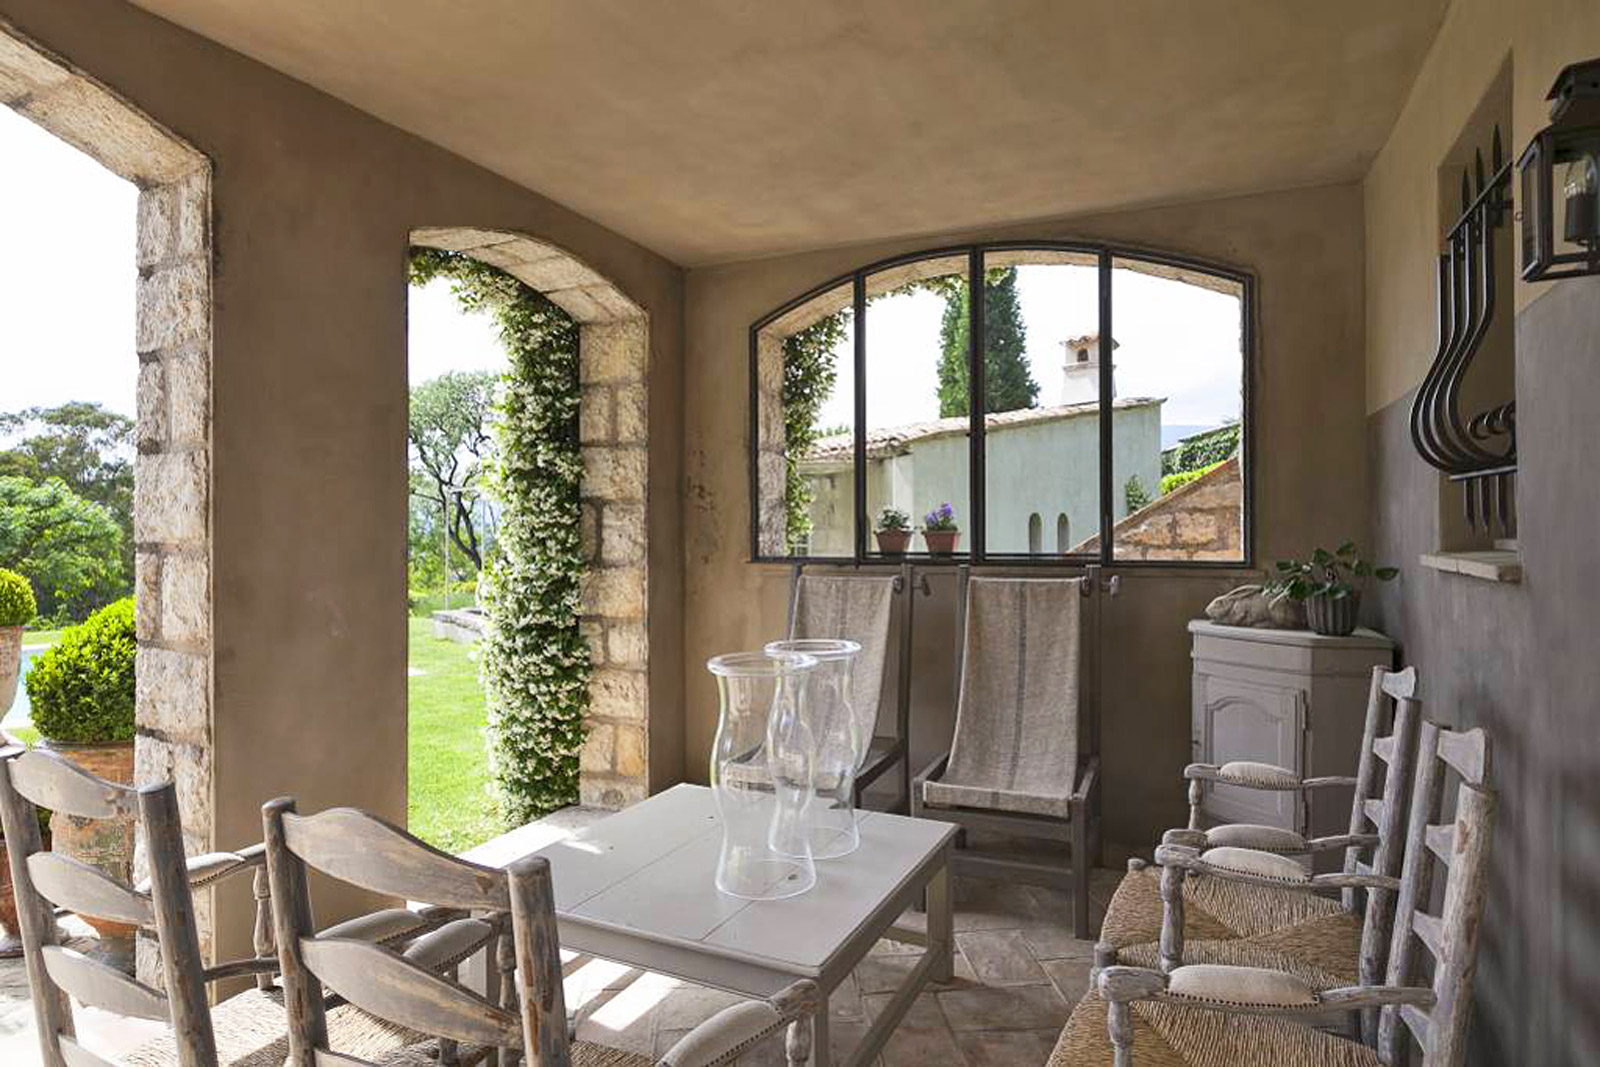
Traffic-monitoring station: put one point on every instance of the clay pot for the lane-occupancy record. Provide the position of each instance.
(10, 665)
(1333, 617)
(893, 542)
(941, 542)
(106, 844)
(10, 942)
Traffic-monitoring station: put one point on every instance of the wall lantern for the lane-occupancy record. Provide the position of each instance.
(1561, 182)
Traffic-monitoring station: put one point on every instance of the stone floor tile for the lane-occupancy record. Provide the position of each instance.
(992, 905)
(1007, 1048)
(1056, 943)
(1070, 977)
(885, 974)
(999, 957)
(1027, 1007)
(845, 1001)
(922, 1048)
(886, 947)
(924, 1013)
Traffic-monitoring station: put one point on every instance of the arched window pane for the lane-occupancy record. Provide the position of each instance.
(1063, 534)
(1035, 534)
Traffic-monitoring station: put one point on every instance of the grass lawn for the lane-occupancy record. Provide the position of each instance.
(41, 637)
(449, 804)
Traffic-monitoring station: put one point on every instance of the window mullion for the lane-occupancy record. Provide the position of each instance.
(859, 467)
(975, 403)
(1107, 346)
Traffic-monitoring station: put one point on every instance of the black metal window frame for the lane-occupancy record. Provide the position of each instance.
(1106, 256)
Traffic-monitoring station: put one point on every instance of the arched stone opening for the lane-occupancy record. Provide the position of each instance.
(172, 471)
(614, 357)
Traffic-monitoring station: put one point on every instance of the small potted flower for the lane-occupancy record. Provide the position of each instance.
(939, 530)
(1330, 584)
(893, 531)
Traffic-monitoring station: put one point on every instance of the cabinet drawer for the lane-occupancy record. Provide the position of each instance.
(1238, 720)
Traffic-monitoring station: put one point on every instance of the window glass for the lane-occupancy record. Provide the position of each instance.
(805, 403)
(917, 424)
(1178, 437)
(1042, 398)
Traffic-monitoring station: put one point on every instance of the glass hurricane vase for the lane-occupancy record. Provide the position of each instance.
(761, 769)
(841, 744)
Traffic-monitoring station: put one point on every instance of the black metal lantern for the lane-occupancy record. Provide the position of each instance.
(1561, 181)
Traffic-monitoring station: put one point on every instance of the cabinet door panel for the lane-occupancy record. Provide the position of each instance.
(1241, 721)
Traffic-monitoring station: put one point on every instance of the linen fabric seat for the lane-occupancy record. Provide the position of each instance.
(1017, 762)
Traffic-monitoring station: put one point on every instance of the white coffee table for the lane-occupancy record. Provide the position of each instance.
(637, 888)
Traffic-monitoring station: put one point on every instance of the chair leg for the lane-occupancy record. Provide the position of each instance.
(921, 903)
(1080, 874)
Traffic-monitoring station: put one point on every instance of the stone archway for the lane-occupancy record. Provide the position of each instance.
(172, 470)
(613, 360)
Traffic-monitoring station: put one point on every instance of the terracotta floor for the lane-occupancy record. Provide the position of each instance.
(1018, 972)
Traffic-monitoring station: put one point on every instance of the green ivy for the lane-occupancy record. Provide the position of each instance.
(809, 375)
(82, 688)
(536, 663)
(17, 605)
(1201, 450)
(1169, 482)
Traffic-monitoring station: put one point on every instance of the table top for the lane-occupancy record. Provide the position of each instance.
(648, 871)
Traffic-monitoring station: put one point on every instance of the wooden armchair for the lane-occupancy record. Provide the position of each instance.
(248, 1029)
(1024, 761)
(523, 1016)
(1265, 909)
(1244, 1016)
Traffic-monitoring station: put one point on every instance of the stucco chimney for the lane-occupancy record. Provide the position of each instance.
(1080, 382)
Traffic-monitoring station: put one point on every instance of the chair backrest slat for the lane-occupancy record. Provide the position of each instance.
(78, 887)
(1451, 937)
(76, 1055)
(370, 853)
(378, 980)
(99, 986)
(49, 781)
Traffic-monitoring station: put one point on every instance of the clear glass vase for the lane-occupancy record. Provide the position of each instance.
(841, 744)
(761, 770)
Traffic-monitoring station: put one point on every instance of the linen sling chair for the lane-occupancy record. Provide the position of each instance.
(248, 1030)
(1232, 920)
(1245, 1016)
(1017, 765)
(528, 1022)
(866, 608)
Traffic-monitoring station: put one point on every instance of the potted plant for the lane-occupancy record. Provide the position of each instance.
(17, 609)
(893, 531)
(1329, 584)
(82, 692)
(939, 530)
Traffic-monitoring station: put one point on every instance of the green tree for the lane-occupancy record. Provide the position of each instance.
(68, 547)
(450, 444)
(85, 445)
(1007, 383)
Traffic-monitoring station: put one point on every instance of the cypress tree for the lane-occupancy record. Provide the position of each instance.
(1007, 386)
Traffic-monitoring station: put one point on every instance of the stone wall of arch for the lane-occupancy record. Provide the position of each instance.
(172, 471)
(614, 357)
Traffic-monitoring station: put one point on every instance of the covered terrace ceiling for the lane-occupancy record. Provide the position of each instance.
(716, 130)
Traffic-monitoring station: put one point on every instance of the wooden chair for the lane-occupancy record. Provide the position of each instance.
(865, 608)
(1024, 761)
(1270, 924)
(248, 1030)
(524, 1017)
(1242, 1015)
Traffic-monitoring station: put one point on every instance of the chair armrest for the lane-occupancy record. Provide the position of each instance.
(931, 772)
(731, 1032)
(1194, 862)
(1265, 776)
(1089, 781)
(1338, 841)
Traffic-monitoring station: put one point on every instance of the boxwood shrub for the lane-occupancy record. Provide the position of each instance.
(82, 688)
(17, 606)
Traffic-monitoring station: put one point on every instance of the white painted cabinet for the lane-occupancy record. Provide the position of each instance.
(1287, 697)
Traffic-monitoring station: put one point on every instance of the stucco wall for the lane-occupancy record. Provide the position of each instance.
(1516, 659)
(1305, 247)
(314, 202)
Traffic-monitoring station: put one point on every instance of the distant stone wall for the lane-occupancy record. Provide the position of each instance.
(1203, 520)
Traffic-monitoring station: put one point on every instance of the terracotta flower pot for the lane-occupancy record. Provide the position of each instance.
(1331, 616)
(10, 943)
(103, 843)
(10, 665)
(941, 542)
(893, 542)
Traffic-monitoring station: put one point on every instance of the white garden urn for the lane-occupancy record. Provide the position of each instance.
(10, 665)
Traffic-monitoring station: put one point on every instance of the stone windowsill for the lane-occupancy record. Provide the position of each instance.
(1498, 565)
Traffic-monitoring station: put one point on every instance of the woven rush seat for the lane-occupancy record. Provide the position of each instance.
(584, 1054)
(1214, 910)
(252, 1030)
(1324, 953)
(1171, 1036)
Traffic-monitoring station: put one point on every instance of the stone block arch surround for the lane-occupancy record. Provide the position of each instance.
(613, 365)
(172, 470)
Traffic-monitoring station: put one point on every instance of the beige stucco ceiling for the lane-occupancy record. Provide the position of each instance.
(713, 130)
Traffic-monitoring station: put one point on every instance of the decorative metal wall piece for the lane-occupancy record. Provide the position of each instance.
(1479, 452)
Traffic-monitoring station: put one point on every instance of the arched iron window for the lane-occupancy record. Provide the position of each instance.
(1112, 383)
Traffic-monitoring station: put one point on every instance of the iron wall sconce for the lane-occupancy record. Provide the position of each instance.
(1564, 201)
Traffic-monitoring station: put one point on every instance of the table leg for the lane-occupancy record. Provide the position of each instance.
(941, 925)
